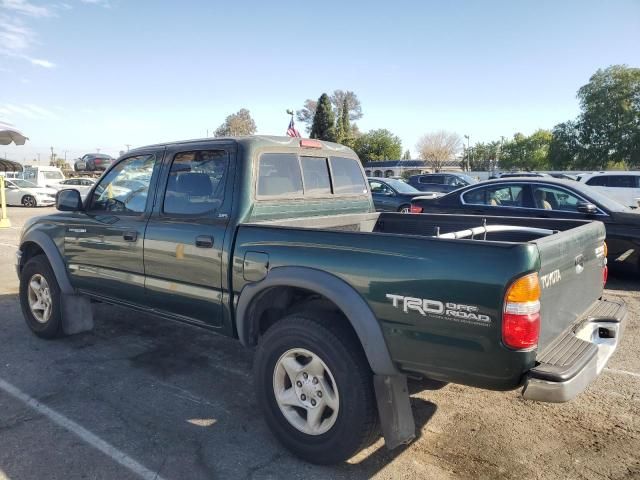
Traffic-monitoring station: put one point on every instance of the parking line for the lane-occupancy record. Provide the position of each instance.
(92, 439)
(622, 372)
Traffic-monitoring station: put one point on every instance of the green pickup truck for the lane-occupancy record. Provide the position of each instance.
(275, 241)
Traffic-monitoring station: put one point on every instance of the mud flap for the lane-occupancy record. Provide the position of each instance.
(394, 408)
(77, 315)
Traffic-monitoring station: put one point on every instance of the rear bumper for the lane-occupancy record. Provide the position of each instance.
(572, 362)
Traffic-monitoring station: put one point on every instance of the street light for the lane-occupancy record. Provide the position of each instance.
(468, 137)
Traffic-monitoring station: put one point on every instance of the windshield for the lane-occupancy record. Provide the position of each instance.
(24, 184)
(401, 187)
(53, 175)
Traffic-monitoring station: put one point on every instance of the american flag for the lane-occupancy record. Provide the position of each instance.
(291, 131)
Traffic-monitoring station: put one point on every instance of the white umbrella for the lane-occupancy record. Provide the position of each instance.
(9, 133)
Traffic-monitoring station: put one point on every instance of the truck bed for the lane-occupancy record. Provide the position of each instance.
(382, 254)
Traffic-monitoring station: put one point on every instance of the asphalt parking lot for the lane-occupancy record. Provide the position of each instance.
(144, 397)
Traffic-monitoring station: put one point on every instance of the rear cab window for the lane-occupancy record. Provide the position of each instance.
(289, 175)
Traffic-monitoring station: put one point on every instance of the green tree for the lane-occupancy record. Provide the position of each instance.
(378, 145)
(406, 155)
(482, 155)
(323, 127)
(236, 124)
(344, 134)
(565, 150)
(338, 99)
(610, 121)
(527, 153)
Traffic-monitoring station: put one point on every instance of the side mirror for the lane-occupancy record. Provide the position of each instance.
(68, 200)
(589, 208)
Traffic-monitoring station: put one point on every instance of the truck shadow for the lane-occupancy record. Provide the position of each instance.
(132, 361)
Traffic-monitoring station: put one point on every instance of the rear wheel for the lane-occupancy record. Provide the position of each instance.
(315, 388)
(40, 298)
(29, 201)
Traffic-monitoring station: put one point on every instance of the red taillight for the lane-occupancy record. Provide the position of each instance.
(309, 143)
(521, 315)
(605, 274)
(415, 209)
(520, 331)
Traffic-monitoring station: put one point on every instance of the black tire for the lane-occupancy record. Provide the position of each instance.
(29, 201)
(328, 338)
(52, 328)
(404, 208)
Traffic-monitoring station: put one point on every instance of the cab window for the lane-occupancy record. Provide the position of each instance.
(196, 182)
(279, 175)
(347, 176)
(124, 190)
(315, 173)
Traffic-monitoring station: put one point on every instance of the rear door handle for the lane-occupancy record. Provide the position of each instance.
(204, 241)
(130, 236)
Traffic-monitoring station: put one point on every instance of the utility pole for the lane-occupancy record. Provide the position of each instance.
(127, 145)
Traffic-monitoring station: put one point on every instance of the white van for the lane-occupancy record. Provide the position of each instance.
(43, 176)
(621, 186)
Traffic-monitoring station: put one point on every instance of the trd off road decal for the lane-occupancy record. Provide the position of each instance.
(456, 312)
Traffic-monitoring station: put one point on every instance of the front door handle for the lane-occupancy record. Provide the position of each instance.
(130, 236)
(204, 241)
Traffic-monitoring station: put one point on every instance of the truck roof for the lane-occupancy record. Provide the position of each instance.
(256, 141)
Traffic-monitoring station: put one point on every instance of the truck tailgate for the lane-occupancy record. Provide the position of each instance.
(571, 277)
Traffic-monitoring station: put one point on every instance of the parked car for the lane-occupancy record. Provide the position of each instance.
(440, 182)
(548, 198)
(83, 185)
(391, 195)
(621, 186)
(92, 162)
(27, 194)
(275, 241)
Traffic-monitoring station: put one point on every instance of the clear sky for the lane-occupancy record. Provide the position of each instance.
(85, 74)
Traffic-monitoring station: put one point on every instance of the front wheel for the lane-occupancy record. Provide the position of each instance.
(29, 201)
(315, 388)
(405, 209)
(40, 298)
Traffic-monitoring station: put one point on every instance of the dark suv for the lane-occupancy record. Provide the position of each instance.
(440, 182)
